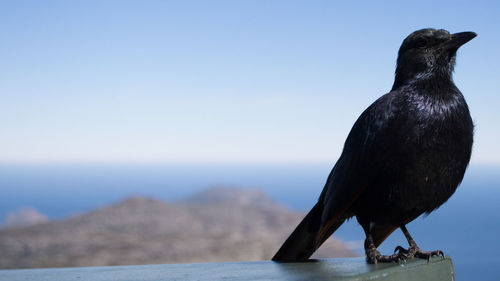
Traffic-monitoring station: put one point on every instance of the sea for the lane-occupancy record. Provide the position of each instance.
(466, 227)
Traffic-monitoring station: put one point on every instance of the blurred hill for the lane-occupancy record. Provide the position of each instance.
(218, 224)
(24, 217)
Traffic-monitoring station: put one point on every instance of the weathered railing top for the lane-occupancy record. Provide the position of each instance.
(330, 269)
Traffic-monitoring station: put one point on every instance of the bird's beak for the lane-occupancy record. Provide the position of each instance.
(458, 39)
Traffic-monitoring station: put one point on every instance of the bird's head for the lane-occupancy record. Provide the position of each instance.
(428, 53)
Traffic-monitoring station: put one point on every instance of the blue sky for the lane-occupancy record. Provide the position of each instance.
(219, 81)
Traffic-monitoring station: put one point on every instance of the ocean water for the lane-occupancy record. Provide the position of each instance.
(467, 227)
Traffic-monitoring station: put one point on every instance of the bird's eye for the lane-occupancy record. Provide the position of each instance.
(421, 43)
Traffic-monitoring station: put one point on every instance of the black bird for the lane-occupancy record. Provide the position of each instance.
(405, 155)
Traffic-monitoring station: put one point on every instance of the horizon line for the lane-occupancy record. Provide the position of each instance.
(192, 162)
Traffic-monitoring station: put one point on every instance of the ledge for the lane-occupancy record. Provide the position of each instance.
(328, 269)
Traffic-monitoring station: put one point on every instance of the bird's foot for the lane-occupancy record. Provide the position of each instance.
(373, 256)
(414, 251)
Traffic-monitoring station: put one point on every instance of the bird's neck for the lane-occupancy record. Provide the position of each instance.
(430, 81)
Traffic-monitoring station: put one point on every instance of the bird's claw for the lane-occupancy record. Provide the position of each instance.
(401, 250)
(428, 254)
(374, 257)
(414, 251)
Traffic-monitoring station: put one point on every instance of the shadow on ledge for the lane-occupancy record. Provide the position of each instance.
(328, 269)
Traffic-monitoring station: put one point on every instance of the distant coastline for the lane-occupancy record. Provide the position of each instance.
(462, 227)
(217, 224)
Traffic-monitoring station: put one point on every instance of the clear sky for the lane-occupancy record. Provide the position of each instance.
(219, 81)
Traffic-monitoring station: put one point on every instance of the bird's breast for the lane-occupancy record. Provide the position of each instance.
(426, 160)
(438, 152)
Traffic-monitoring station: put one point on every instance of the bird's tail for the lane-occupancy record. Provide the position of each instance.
(307, 237)
(381, 232)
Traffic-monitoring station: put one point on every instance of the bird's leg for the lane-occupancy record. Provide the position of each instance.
(373, 255)
(414, 250)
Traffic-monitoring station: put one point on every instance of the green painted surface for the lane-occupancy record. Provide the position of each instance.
(330, 269)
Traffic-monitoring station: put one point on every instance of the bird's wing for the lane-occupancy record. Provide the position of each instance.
(364, 152)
